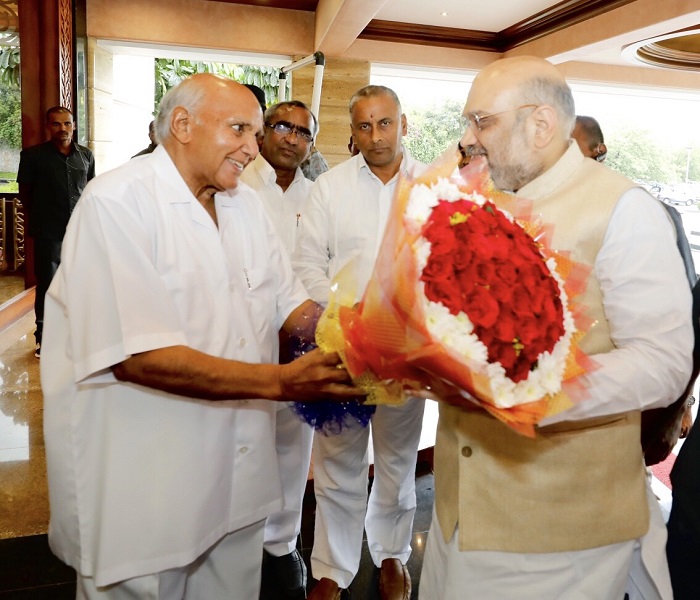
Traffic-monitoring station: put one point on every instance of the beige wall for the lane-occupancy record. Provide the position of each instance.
(225, 26)
(99, 99)
(201, 24)
(341, 79)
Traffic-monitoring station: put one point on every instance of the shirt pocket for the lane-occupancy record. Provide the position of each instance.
(260, 292)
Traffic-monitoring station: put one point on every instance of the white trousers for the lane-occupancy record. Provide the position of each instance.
(340, 484)
(649, 578)
(448, 574)
(230, 570)
(293, 440)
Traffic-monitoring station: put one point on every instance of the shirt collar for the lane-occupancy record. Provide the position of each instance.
(405, 168)
(267, 173)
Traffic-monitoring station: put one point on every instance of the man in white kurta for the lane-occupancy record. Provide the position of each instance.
(342, 226)
(276, 176)
(160, 447)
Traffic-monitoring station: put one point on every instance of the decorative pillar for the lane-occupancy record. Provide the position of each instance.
(65, 54)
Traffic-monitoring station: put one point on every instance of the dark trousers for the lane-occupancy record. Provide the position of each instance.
(47, 257)
(682, 551)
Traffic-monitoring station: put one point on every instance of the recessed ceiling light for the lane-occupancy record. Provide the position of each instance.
(444, 14)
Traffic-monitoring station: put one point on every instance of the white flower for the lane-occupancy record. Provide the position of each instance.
(551, 371)
(421, 250)
(446, 190)
(421, 202)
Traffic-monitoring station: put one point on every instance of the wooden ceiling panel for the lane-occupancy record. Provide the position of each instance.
(308, 5)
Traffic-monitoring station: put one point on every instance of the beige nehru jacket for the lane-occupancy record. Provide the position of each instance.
(577, 485)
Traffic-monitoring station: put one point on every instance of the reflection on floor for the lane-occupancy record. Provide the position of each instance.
(11, 284)
(28, 570)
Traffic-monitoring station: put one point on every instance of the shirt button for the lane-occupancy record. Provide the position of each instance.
(466, 451)
(241, 342)
(243, 450)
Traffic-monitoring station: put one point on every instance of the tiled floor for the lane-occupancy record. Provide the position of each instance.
(28, 570)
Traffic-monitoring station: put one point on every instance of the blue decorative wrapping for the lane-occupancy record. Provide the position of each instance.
(328, 418)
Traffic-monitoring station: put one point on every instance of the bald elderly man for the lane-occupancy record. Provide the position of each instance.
(158, 373)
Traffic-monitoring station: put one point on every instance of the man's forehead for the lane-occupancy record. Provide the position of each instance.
(60, 117)
(289, 113)
(487, 96)
(375, 110)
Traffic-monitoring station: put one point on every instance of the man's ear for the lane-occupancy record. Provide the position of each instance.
(546, 120)
(404, 125)
(181, 122)
(602, 152)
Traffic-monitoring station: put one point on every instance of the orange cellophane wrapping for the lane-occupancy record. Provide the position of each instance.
(385, 343)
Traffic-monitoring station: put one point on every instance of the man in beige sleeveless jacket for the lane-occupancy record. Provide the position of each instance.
(561, 516)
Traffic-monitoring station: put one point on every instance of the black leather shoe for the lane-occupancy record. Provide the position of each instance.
(283, 577)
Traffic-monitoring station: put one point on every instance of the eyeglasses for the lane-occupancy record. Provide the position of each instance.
(283, 128)
(477, 122)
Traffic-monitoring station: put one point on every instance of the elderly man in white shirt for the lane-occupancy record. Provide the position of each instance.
(275, 174)
(343, 223)
(161, 334)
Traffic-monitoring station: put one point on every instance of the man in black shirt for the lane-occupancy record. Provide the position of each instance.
(51, 178)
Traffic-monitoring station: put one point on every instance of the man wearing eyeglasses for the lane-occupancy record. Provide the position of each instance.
(343, 225)
(288, 137)
(562, 515)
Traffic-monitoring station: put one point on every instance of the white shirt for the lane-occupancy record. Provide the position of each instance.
(343, 224)
(284, 208)
(647, 302)
(141, 480)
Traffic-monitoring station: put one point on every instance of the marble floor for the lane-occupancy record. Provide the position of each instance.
(28, 570)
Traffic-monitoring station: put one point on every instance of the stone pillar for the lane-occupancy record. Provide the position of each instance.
(341, 79)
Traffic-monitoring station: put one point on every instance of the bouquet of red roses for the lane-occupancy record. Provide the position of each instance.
(466, 298)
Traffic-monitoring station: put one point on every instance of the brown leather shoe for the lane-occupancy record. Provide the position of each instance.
(325, 589)
(394, 580)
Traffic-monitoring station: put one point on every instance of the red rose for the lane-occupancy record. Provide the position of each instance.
(482, 308)
(488, 267)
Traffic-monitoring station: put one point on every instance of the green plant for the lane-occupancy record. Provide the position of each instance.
(9, 66)
(169, 72)
(10, 117)
(431, 130)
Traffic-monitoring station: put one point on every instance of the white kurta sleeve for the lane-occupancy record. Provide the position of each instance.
(124, 306)
(647, 301)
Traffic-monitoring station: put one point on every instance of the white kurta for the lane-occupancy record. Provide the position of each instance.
(293, 437)
(343, 224)
(141, 480)
(283, 207)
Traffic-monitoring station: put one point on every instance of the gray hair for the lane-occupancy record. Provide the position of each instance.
(275, 108)
(370, 91)
(188, 94)
(555, 93)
